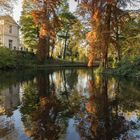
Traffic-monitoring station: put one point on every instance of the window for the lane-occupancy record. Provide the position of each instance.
(10, 29)
(10, 43)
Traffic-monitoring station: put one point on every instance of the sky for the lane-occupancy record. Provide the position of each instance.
(18, 9)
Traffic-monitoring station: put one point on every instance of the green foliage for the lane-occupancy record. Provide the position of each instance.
(99, 70)
(71, 44)
(25, 59)
(31, 98)
(28, 29)
(131, 34)
(15, 60)
(128, 67)
(7, 58)
(128, 48)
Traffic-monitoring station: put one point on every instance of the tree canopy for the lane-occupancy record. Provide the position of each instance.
(100, 26)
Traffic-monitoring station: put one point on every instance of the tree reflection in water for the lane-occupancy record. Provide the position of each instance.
(100, 113)
(48, 113)
(102, 118)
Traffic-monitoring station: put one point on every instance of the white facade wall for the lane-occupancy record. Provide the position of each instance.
(9, 32)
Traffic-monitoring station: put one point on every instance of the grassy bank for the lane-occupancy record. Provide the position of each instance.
(21, 60)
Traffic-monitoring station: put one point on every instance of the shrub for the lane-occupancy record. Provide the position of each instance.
(10, 59)
(7, 58)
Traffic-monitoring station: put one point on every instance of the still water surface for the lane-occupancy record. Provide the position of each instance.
(68, 104)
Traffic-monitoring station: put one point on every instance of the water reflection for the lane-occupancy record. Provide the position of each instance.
(70, 104)
(9, 99)
(47, 116)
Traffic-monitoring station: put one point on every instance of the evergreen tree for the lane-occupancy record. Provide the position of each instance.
(27, 26)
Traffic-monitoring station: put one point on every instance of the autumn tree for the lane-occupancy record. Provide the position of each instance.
(46, 20)
(105, 16)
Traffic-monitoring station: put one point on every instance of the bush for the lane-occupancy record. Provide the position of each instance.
(15, 59)
(7, 58)
(24, 59)
(129, 67)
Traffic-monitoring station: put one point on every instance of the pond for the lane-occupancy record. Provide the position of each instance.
(68, 104)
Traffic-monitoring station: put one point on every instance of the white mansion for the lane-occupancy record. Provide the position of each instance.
(9, 32)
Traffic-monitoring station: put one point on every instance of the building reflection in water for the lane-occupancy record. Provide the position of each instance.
(9, 101)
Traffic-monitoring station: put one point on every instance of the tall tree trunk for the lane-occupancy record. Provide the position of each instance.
(52, 48)
(117, 45)
(43, 45)
(65, 45)
(118, 51)
(47, 47)
(104, 62)
(106, 37)
(41, 50)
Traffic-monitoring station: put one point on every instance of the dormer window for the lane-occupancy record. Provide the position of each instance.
(10, 29)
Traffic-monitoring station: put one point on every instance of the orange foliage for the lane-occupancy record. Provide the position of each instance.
(91, 37)
(36, 16)
(91, 59)
(90, 107)
(43, 30)
(41, 17)
(95, 16)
